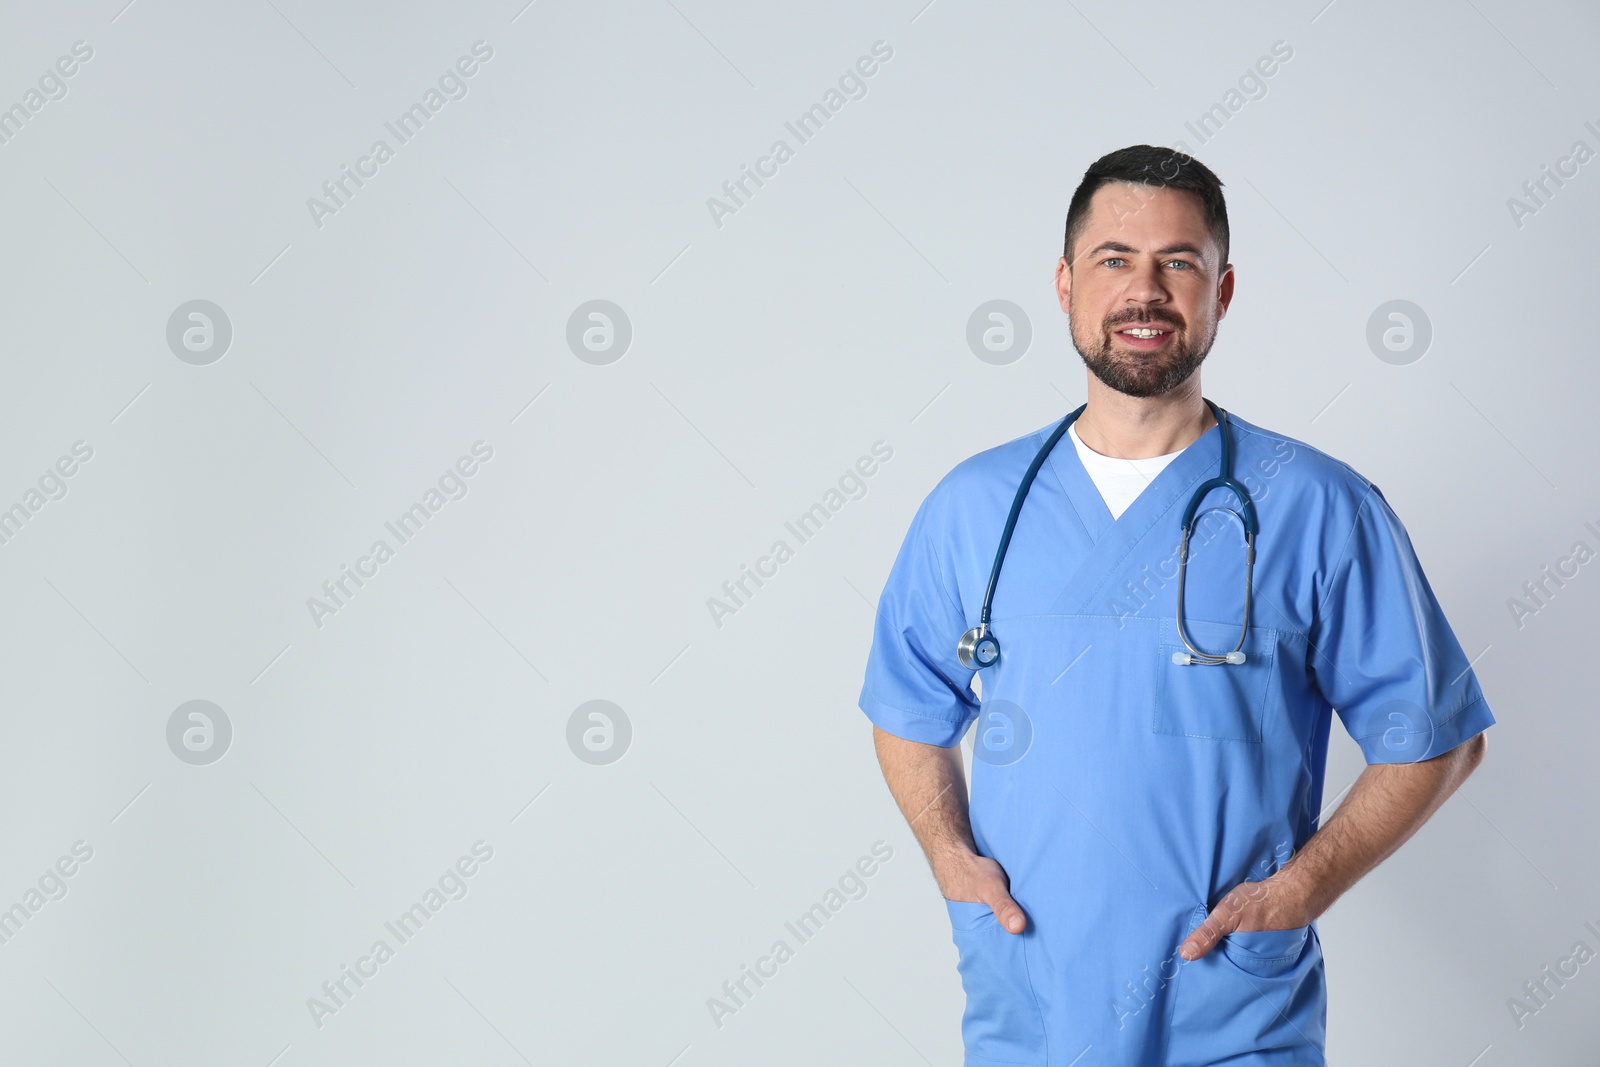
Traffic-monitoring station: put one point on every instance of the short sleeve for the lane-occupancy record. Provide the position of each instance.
(1382, 652)
(915, 687)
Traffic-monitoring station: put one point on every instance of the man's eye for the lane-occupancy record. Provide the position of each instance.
(1185, 264)
(1113, 259)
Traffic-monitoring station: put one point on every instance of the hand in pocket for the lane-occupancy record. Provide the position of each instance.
(1272, 904)
(980, 880)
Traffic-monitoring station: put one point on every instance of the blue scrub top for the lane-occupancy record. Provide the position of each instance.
(1125, 795)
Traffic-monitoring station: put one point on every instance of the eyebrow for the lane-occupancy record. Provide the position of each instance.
(1117, 246)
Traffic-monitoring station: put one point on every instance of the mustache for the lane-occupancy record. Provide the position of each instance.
(1158, 318)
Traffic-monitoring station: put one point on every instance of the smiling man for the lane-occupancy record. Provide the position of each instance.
(1167, 613)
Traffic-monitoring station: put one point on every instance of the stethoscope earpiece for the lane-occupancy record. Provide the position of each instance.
(1184, 659)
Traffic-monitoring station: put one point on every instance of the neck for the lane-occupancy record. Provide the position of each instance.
(1135, 427)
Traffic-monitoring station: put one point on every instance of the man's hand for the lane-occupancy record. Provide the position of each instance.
(1276, 903)
(929, 784)
(980, 880)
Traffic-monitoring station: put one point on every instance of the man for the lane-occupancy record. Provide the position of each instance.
(1138, 876)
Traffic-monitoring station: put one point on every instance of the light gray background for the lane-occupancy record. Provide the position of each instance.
(768, 354)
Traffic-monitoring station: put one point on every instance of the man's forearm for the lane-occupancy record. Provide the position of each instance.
(1387, 804)
(929, 785)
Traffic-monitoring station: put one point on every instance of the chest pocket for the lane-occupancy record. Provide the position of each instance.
(1222, 702)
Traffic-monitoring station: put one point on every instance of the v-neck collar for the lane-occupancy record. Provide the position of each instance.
(1101, 466)
(1201, 454)
(1112, 539)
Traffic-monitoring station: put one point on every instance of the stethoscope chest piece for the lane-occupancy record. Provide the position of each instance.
(978, 649)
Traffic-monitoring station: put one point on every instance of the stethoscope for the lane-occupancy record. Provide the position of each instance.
(979, 648)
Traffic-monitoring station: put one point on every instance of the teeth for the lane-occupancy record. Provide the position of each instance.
(1145, 333)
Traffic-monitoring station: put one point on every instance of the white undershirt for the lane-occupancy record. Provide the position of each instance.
(1120, 481)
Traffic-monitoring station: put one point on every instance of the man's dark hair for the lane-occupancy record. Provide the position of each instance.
(1151, 165)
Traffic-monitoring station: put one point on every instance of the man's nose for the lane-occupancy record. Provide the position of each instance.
(1145, 285)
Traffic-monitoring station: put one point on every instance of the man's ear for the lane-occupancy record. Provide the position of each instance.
(1063, 283)
(1224, 291)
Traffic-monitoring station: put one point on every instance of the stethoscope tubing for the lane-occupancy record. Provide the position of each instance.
(978, 638)
(1016, 509)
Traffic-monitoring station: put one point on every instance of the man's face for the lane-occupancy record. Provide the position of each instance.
(1144, 259)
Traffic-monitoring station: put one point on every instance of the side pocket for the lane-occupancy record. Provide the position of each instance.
(1258, 992)
(1266, 953)
(1002, 1023)
(1223, 702)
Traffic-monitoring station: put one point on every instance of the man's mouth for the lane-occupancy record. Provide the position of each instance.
(1145, 337)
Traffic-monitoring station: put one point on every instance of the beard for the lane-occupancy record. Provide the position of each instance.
(1135, 373)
